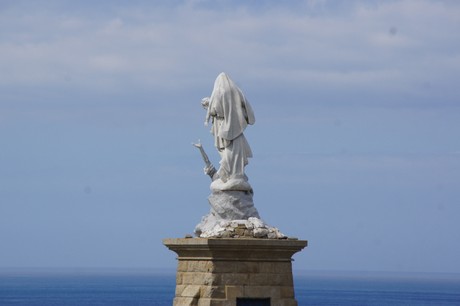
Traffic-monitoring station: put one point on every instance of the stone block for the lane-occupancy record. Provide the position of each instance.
(286, 291)
(185, 301)
(267, 267)
(179, 289)
(197, 278)
(191, 291)
(261, 279)
(282, 267)
(241, 279)
(217, 292)
(187, 278)
(214, 302)
(179, 280)
(283, 279)
(208, 279)
(182, 266)
(224, 266)
(270, 279)
(232, 292)
(247, 267)
(205, 302)
(284, 302)
(199, 266)
(261, 292)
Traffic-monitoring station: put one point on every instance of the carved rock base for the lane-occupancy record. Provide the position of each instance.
(233, 215)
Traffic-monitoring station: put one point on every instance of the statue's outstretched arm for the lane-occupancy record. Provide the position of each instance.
(209, 169)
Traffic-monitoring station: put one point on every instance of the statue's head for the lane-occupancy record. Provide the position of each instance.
(223, 81)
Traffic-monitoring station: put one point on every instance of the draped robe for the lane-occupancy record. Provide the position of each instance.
(230, 114)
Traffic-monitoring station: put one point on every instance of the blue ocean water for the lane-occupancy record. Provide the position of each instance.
(48, 288)
(377, 289)
(72, 288)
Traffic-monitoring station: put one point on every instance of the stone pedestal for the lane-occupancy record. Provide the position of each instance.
(233, 272)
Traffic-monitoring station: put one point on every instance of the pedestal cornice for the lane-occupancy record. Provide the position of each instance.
(235, 249)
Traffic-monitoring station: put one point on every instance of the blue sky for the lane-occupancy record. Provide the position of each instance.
(356, 143)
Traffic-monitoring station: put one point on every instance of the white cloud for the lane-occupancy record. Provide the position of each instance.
(390, 47)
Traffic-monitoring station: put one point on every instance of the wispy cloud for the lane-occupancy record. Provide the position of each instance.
(394, 47)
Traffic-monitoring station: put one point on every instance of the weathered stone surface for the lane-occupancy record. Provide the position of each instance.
(284, 302)
(233, 215)
(212, 227)
(179, 289)
(185, 301)
(233, 205)
(191, 291)
(287, 291)
(226, 206)
(217, 292)
(262, 291)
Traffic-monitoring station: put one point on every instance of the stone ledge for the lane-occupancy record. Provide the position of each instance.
(234, 249)
(235, 241)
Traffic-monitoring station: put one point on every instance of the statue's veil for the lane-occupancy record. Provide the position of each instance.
(229, 102)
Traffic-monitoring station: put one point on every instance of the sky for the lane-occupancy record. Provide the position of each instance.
(356, 142)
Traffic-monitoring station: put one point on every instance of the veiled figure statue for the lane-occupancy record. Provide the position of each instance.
(231, 199)
(229, 113)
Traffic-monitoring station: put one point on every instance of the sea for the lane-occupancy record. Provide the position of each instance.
(72, 287)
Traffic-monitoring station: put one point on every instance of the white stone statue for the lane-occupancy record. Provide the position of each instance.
(229, 113)
(233, 213)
